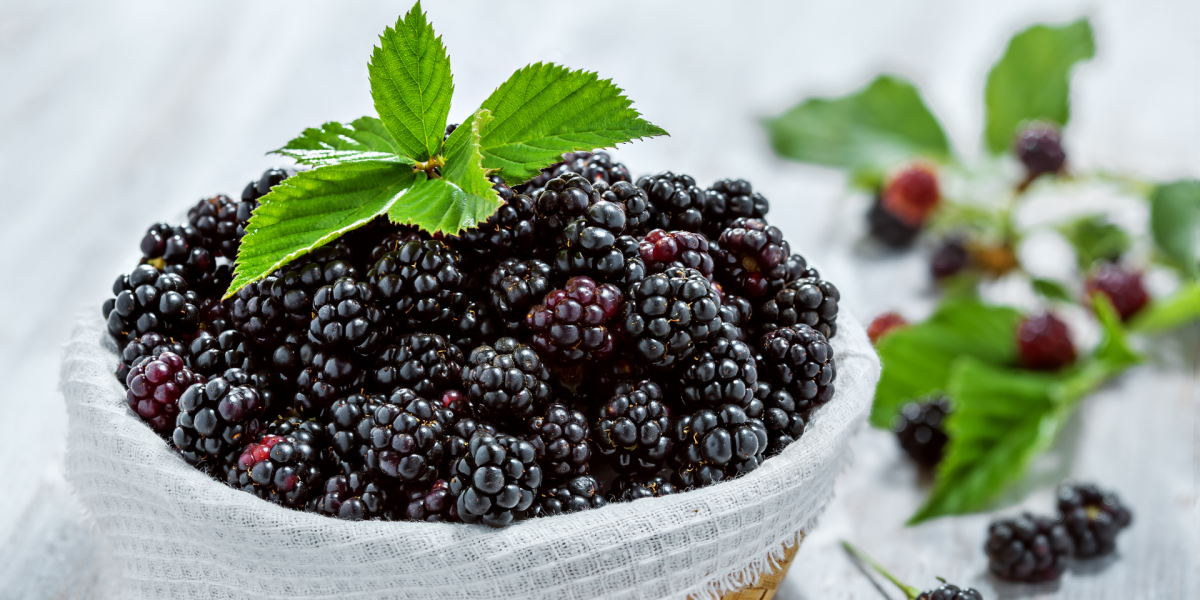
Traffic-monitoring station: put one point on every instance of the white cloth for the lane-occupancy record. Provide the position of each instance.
(176, 533)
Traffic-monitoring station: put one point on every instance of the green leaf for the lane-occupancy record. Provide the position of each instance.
(313, 208)
(544, 110)
(1094, 238)
(462, 197)
(1175, 223)
(1051, 290)
(412, 85)
(871, 129)
(1031, 81)
(1168, 313)
(365, 139)
(917, 359)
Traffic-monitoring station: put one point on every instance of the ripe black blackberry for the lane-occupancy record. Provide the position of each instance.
(346, 317)
(948, 591)
(596, 167)
(1039, 147)
(1093, 518)
(783, 416)
(712, 445)
(811, 301)
(257, 189)
(508, 381)
(561, 438)
(211, 355)
(666, 314)
(474, 326)
(735, 313)
(661, 250)
(574, 495)
(393, 241)
(310, 431)
(420, 284)
(295, 286)
(572, 325)
(214, 315)
(730, 199)
(638, 212)
(588, 244)
(348, 429)
(724, 372)
(356, 496)
(950, 259)
(510, 230)
(215, 219)
(153, 387)
(630, 488)
(1028, 548)
(148, 300)
(407, 437)
(797, 358)
(515, 286)
(179, 250)
(423, 362)
(496, 480)
(561, 201)
(752, 258)
(920, 427)
(635, 268)
(149, 345)
(890, 229)
(278, 469)
(677, 203)
(432, 503)
(634, 428)
(256, 314)
(458, 437)
(326, 378)
(216, 420)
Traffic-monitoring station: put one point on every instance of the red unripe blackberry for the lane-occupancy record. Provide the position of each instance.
(561, 438)
(420, 284)
(661, 250)
(797, 358)
(356, 497)
(508, 381)
(1039, 147)
(1093, 518)
(572, 324)
(714, 444)
(433, 503)
(884, 324)
(1044, 343)
(215, 219)
(911, 194)
(667, 314)
(278, 469)
(423, 362)
(750, 255)
(1028, 548)
(676, 202)
(407, 437)
(1123, 287)
(634, 428)
(155, 385)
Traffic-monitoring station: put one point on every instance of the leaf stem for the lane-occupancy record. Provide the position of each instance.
(910, 592)
(430, 166)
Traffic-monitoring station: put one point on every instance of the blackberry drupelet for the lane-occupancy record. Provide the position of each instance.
(752, 258)
(1093, 518)
(278, 469)
(393, 241)
(676, 202)
(723, 373)
(730, 199)
(148, 300)
(573, 325)
(154, 386)
(356, 497)
(423, 362)
(508, 381)
(515, 286)
(496, 480)
(666, 314)
(797, 358)
(407, 435)
(735, 313)
(348, 429)
(920, 427)
(215, 219)
(420, 284)
(210, 355)
(149, 345)
(296, 285)
(588, 244)
(560, 437)
(1028, 548)
(433, 503)
(809, 301)
(346, 317)
(713, 445)
(178, 250)
(638, 212)
(783, 416)
(574, 495)
(634, 428)
(1039, 147)
(1123, 287)
(662, 250)
(309, 431)
(635, 268)
(630, 488)
(458, 437)
(510, 230)
(1044, 343)
(216, 420)
(561, 201)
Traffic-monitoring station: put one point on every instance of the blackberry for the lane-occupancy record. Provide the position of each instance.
(911, 194)
(257, 314)
(393, 241)
(215, 219)
(149, 345)
(1039, 147)
(423, 362)
(753, 258)
(638, 212)
(635, 268)
(216, 420)
(730, 199)
(295, 286)
(561, 439)
(1028, 548)
(588, 245)
(433, 503)
(735, 313)
(571, 325)
(474, 326)
(920, 427)
(214, 316)
(497, 479)
(884, 324)
(345, 317)
(661, 250)
(634, 428)
(784, 417)
(154, 386)
(723, 373)
(948, 591)
(676, 202)
(534, 185)
(950, 259)
(209, 355)
(327, 378)
(148, 300)
(1093, 518)
(888, 228)
(574, 495)
(712, 445)
(406, 437)
(507, 381)
(348, 429)
(278, 469)
(420, 284)
(510, 230)
(1123, 287)
(808, 301)
(563, 200)
(596, 167)
(178, 250)
(1044, 343)
(253, 191)
(309, 431)
(356, 497)
(458, 438)
(515, 286)
(630, 488)
(797, 358)
(666, 314)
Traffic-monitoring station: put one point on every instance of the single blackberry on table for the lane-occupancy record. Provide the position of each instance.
(735, 313)
(809, 301)
(210, 354)
(149, 345)
(752, 258)
(634, 428)
(724, 372)
(783, 416)
(356, 496)
(572, 325)
(561, 438)
(148, 300)
(215, 219)
(713, 445)
(950, 259)
(638, 212)
(635, 487)
(920, 427)
(496, 480)
(348, 429)
(676, 202)
(884, 324)
(945, 591)
(730, 199)
(1039, 148)
(475, 326)
(423, 362)
(588, 244)
(510, 230)
(420, 284)
(1044, 343)
(574, 495)
(797, 358)
(1093, 518)
(407, 437)
(515, 286)
(888, 228)
(562, 200)
(345, 317)
(1028, 548)
(278, 469)
(1123, 287)
(216, 420)
(667, 314)
(154, 386)
(508, 381)
(432, 503)
(295, 286)
(662, 250)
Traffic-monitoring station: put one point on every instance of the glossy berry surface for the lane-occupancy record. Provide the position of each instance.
(496, 480)
(432, 503)
(420, 284)
(784, 417)
(1093, 518)
(506, 381)
(216, 419)
(1044, 343)
(948, 591)
(588, 244)
(753, 257)
(711, 445)
(277, 469)
(574, 324)
(807, 301)
(634, 428)
(515, 286)
(356, 496)
(561, 438)
(574, 495)
(406, 439)
(635, 487)
(155, 385)
(798, 359)
(667, 314)
(730, 199)
(346, 317)
(677, 203)
(724, 373)
(148, 300)
(1028, 548)
(563, 200)
(423, 362)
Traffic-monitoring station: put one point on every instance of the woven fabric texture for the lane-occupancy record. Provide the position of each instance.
(176, 533)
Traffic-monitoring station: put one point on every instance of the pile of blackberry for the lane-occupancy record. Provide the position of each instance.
(601, 339)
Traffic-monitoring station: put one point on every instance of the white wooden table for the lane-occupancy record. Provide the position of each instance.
(114, 115)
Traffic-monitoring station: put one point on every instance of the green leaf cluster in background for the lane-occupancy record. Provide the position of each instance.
(400, 164)
(1175, 223)
(1095, 239)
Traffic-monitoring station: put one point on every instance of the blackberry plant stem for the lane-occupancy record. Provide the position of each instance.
(910, 592)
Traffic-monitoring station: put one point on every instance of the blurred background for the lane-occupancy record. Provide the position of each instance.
(115, 115)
